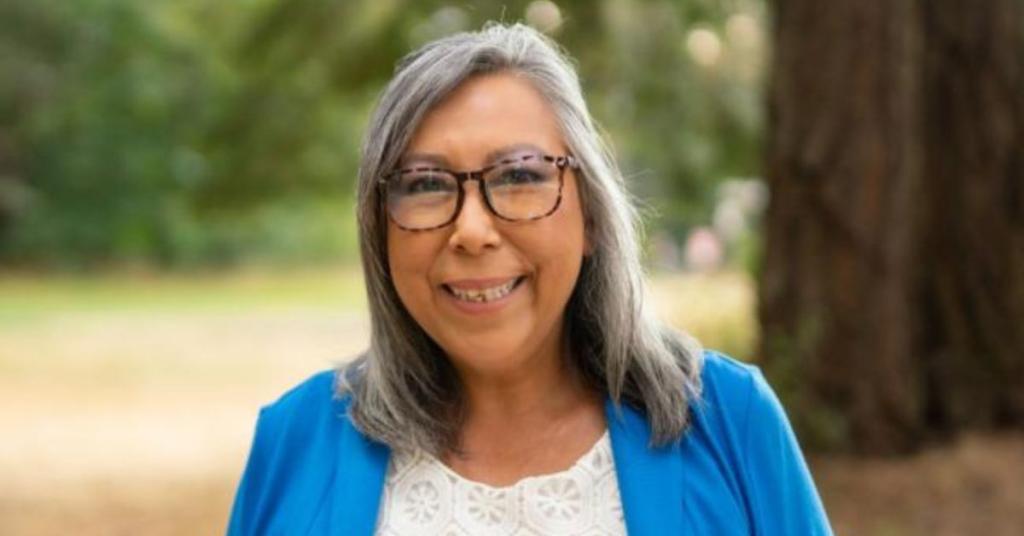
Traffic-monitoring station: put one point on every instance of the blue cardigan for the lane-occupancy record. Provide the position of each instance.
(737, 470)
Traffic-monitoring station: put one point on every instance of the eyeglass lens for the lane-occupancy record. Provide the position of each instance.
(525, 188)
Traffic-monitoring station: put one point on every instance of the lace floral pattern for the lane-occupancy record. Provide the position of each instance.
(423, 496)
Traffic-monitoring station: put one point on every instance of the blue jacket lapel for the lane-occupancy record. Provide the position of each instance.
(650, 479)
(358, 483)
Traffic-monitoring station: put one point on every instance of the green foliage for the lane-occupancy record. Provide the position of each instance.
(181, 133)
(747, 253)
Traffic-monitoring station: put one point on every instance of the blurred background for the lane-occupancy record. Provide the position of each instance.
(833, 190)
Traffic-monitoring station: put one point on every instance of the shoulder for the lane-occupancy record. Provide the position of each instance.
(743, 466)
(735, 399)
(293, 449)
(726, 373)
(310, 397)
(728, 382)
(740, 419)
(302, 420)
(308, 410)
(302, 411)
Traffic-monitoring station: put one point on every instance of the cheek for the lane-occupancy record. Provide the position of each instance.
(562, 246)
(410, 260)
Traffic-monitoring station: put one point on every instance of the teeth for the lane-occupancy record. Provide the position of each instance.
(484, 294)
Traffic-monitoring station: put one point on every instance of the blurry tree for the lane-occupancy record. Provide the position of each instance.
(94, 95)
(892, 295)
(106, 113)
(307, 72)
(162, 131)
(675, 82)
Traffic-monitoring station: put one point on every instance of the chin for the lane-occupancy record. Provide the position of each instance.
(489, 355)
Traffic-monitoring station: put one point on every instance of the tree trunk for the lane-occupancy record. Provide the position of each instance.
(892, 289)
(971, 325)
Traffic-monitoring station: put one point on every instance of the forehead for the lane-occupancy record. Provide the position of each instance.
(482, 117)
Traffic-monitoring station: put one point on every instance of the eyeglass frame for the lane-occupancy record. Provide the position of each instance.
(461, 177)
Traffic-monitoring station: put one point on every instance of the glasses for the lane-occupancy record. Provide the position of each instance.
(521, 188)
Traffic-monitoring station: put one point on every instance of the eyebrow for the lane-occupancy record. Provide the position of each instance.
(490, 158)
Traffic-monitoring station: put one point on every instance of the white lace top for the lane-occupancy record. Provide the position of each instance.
(422, 496)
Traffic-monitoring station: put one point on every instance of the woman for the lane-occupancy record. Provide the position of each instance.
(515, 381)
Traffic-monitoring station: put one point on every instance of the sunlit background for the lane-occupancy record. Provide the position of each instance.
(178, 245)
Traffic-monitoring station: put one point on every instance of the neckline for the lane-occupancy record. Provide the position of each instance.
(591, 452)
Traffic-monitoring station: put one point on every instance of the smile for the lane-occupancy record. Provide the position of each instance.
(484, 295)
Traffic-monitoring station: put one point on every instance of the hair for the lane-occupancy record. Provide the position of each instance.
(405, 391)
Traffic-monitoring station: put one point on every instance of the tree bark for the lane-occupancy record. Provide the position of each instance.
(892, 288)
(972, 296)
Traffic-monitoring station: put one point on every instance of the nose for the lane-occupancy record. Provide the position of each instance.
(473, 230)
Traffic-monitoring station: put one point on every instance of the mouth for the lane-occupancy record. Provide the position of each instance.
(483, 295)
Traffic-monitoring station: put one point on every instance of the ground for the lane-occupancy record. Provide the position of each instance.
(127, 404)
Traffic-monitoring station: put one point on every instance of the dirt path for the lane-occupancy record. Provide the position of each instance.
(972, 487)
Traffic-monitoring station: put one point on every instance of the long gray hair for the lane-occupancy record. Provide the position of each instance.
(405, 391)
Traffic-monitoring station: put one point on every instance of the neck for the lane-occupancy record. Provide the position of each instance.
(539, 402)
(545, 390)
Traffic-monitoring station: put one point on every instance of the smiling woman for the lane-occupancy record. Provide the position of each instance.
(516, 381)
(491, 288)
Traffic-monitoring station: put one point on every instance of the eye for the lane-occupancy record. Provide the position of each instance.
(518, 176)
(425, 184)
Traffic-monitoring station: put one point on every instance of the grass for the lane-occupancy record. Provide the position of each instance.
(717, 309)
(29, 297)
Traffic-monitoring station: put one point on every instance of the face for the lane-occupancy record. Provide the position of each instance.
(442, 275)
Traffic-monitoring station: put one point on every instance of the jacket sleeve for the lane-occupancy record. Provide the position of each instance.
(245, 514)
(783, 498)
